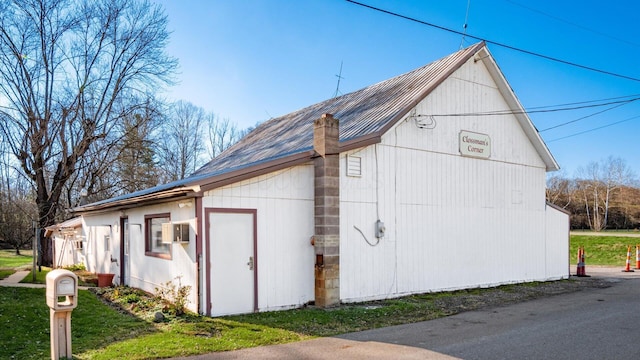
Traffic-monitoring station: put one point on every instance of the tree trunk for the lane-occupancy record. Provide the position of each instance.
(47, 218)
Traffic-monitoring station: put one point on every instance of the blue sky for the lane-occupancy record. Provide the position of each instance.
(251, 60)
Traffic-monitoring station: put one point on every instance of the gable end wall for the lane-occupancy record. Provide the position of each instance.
(451, 221)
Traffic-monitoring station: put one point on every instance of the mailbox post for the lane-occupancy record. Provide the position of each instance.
(62, 298)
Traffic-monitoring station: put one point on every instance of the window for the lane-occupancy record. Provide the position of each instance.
(154, 246)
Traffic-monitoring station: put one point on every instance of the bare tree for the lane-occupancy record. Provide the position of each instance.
(17, 208)
(222, 134)
(560, 190)
(616, 173)
(181, 145)
(597, 182)
(64, 65)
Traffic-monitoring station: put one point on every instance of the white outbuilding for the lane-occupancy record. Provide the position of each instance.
(433, 180)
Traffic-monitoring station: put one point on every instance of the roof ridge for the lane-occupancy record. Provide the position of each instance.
(343, 107)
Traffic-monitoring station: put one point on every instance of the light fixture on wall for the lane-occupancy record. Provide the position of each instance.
(184, 204)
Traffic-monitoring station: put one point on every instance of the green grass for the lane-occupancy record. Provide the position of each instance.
(9, 259)
(603, 250)
(6, 273)
(24, 324)
(41, 276)
(102, 332)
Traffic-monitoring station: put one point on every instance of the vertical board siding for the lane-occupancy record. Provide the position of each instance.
(557, 246)
(284, 204)
(452, 221)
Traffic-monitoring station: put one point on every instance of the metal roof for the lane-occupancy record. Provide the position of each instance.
(361, 113)
(364, 115)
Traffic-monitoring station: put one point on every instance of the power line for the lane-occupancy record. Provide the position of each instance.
(586, 102)
(584, 117)
(540, 110)
(594, 129)
(550, 58)
(574, 24)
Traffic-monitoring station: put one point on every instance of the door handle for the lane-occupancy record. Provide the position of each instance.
(250, 263)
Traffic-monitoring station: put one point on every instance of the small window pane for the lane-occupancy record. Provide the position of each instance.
(154, 235)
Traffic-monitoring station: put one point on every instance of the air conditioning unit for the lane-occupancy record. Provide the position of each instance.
(175, 232)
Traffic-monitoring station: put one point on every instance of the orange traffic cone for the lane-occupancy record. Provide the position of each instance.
(628, 267)
(637, 257)
(581, 270)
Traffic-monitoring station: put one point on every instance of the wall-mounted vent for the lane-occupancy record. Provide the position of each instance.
(354, 166)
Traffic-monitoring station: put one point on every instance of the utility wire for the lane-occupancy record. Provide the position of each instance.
(586, 102)
(517, 112)
(584, 117)
(594, 129)
(573, 24)
(496, 43)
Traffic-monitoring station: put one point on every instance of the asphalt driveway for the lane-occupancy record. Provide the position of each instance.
(589, 324)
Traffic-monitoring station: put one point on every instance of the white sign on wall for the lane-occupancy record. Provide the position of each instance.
(475, 144)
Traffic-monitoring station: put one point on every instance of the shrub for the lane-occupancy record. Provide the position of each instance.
(174, 297)
(75, 267)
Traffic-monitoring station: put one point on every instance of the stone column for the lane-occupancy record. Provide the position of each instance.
(327, 211)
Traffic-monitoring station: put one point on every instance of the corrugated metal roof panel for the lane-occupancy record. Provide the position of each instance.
(360, 113)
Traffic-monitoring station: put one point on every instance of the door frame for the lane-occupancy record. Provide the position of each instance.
(207, 213)
(123, 264)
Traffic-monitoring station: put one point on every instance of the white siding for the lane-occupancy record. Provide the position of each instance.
(146, 272)
(284, 204)
(452, 221)
(557, 246)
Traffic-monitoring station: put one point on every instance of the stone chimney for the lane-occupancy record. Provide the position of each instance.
(327, 211)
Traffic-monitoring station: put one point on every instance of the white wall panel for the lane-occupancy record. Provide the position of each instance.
(557, 245)
(146, 272)
(452, 221)
(285, 218)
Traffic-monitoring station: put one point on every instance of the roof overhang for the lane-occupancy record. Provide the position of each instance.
(519, 112)
(146, 198)
(68, 225)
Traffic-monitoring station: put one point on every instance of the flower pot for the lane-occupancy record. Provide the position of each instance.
(105, 280)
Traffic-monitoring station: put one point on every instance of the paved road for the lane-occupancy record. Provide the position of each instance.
(591, 324)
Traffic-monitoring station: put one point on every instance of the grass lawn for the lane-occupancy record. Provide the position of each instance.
(6, 273)
(9, 259)
(24, 324)
(102, 332)
(41, 276)
(603, 250)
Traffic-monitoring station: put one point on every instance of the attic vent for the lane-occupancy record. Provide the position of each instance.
(425, 122)
(354, 166)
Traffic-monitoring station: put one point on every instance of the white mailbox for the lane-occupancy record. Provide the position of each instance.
(62, 290)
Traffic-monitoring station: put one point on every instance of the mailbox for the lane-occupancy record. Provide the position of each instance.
(62, 290)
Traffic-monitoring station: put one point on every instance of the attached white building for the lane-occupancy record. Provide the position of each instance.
(436, 181)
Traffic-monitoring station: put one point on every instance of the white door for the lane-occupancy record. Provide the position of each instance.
(231, 239)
